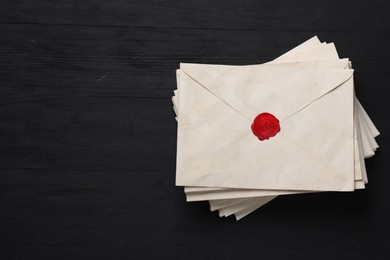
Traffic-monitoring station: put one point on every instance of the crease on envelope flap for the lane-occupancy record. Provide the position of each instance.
(253, 90)
(339, 128)
(313, 174)
(204, 118)
(335, 64)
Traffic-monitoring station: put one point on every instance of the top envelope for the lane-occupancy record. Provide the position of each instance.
(314, 150)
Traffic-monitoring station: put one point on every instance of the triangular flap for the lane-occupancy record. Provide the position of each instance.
(205, 126)
(325, 129)
(281, 91)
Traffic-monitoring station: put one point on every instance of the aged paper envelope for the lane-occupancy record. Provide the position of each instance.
(323, 97)
(326, 51)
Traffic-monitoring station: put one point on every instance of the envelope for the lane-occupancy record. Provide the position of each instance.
(313, 151)
(331, 63)
(367, 130)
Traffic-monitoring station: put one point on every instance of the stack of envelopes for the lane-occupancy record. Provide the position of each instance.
(247, 134)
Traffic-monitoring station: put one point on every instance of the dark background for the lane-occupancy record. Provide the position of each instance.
(88, 135)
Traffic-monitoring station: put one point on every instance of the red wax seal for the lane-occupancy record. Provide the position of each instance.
(265, 126)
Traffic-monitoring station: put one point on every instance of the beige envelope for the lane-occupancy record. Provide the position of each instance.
(369, 133)
(343, 63)
(313, 151)
(369, 130)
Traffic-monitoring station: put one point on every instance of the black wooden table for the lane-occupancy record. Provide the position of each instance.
(88, 135)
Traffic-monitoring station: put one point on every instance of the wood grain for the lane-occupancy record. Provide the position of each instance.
(88, 135)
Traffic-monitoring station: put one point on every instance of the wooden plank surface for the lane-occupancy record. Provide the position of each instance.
(88, 135)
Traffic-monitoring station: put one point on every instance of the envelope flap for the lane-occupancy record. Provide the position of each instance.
(281, 91)
(206, 126)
